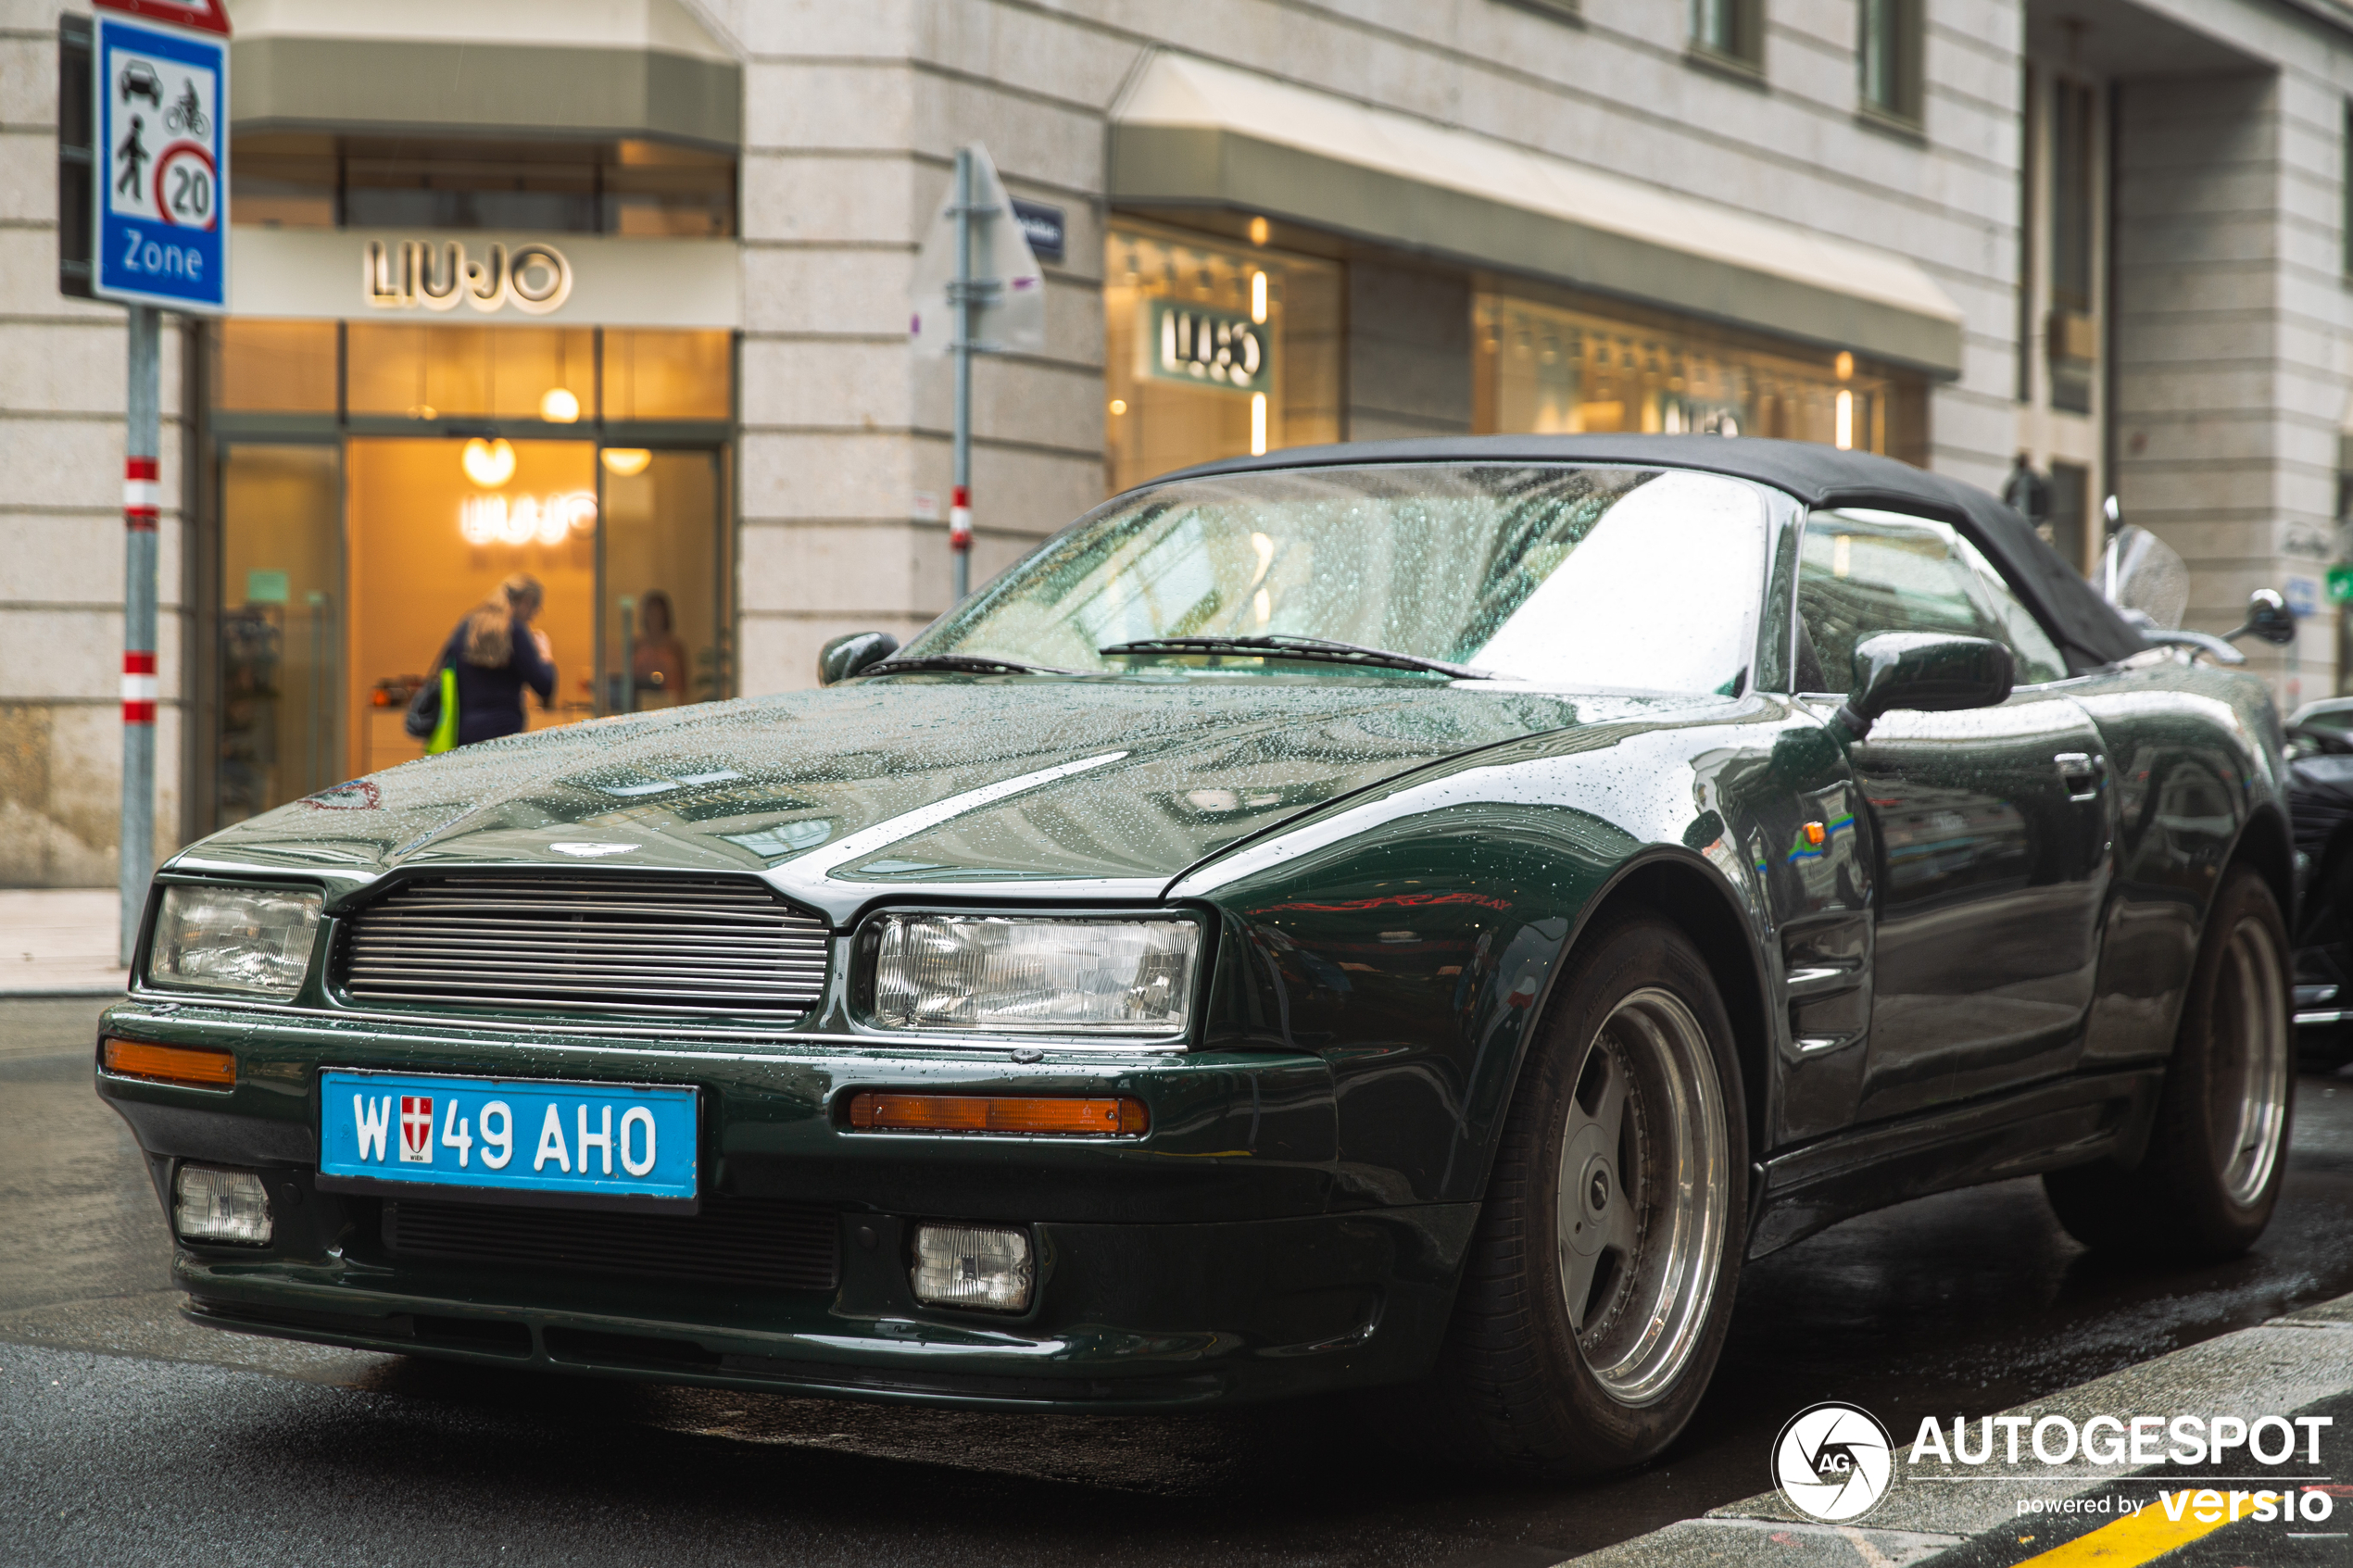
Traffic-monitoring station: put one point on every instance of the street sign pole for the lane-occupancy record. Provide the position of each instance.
(143, 445)
(158, 156)
(977, 290)
(959, 510)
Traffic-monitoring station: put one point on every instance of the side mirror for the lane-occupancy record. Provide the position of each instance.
(844, 657)
(1927, 671)
(2267, 618)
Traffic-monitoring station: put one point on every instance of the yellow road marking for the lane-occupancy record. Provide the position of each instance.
(2128, 1542)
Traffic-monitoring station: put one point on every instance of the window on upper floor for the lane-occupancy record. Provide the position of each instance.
(1889, 57)
(1729, 31)
(642, 188)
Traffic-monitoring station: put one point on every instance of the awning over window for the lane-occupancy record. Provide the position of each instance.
(625, 68)
(1191, 133)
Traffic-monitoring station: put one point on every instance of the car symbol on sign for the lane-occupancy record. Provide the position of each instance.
(139, 80)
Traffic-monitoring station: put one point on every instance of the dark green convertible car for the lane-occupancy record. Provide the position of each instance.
(1411, 914)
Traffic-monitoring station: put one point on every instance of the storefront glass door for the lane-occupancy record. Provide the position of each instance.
(665, 590)
(436, 526)
(282, 626)
(375, 483)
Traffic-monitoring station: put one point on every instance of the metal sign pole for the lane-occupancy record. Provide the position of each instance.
(143, 441)
(960, 512)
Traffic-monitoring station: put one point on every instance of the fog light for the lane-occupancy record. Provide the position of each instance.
(214, 1205)
(984, 1266)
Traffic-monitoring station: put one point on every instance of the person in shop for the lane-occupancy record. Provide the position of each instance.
(496, 652)
(657, 672)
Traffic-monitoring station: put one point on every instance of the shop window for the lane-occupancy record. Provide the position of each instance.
(1888, 57)
(285, 365)
(1214, 351)
(428, 540)
(665, 375)
(664, 643)
(1550, 370)
(436, 372)
(2073, 336)
(1731, 32)
(2067, 529)
(619, 187)
(280, 625)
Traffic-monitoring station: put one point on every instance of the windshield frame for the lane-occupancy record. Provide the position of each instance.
(1767, 657)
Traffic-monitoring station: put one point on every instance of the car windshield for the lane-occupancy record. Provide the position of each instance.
(1595, 578)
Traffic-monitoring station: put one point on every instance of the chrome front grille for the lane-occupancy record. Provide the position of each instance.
(651, 946)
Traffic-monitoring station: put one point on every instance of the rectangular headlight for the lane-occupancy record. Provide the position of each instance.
(984, 1266)
(255, 940)
(209, 1204)
(1019, 973)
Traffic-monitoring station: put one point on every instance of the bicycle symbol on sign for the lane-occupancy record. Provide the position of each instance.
(187, 114)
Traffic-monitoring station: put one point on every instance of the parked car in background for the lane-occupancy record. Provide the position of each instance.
(1404, 916)
(2320, 753)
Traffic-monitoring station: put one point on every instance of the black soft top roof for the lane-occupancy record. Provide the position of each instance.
(1817, 476)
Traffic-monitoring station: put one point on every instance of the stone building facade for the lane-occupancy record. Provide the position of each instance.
(2104, 239)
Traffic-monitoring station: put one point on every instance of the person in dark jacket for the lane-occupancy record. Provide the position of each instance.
(497, 652)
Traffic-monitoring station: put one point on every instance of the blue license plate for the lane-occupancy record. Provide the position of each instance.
(524, 1136)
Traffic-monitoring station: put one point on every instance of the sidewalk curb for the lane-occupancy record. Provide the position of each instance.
(2278, 1366)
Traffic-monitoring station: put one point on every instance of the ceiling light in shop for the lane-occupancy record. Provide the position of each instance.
(496, 520)
(558, 406)
(627, 461)
(489, 463)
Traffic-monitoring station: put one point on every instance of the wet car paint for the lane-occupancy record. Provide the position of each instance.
(1394, 869)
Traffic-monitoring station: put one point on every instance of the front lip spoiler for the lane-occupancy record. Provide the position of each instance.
(664, 1353)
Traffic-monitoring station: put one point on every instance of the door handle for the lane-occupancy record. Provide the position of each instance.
(2080, 772)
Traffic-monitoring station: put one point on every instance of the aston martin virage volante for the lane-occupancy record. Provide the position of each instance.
(1409, 917)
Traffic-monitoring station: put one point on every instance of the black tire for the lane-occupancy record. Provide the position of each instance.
(2204, 1189)
(1516, 1387)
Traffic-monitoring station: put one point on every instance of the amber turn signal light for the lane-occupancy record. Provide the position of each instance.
(170, 1064)
(873, 1112)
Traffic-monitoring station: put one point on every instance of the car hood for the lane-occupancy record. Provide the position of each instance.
(906, 783)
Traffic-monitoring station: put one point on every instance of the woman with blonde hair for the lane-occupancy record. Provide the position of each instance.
(496, 652)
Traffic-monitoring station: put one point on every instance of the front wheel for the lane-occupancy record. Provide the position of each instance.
(2206, 1187)
(1600, 1283)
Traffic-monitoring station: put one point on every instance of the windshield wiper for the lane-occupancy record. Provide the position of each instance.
(1317, 648)
(976, 663)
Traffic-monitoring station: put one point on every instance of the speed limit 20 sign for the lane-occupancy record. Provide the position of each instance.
(161, 160)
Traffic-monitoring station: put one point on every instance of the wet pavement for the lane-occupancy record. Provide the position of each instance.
(127, 1435)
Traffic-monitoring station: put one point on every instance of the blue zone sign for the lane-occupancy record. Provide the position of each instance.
(162, 166)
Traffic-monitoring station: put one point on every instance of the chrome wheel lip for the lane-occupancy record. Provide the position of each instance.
(2248, 1111)
(1680, 1221)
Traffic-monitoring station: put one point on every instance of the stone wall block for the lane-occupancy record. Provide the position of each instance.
(815, 383)
(830, 103)
(828, 197)
(791, 475)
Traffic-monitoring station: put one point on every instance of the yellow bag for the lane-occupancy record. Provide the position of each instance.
(444, 730)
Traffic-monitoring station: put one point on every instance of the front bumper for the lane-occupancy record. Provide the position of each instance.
(1200, 1263)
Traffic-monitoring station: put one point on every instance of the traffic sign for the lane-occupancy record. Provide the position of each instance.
(1008, 293)
(161, 163)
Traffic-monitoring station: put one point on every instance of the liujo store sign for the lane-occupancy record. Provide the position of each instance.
(440, 275)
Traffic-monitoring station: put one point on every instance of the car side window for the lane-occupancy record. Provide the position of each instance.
(1863, 572)
(2038, 656)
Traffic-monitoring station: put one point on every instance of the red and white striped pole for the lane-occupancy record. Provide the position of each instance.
(960, 539)
(141, 501)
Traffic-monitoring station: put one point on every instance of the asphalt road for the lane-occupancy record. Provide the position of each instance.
(128, 1437)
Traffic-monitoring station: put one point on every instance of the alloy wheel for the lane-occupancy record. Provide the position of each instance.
(2248, 1111)
(1643, 1195)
